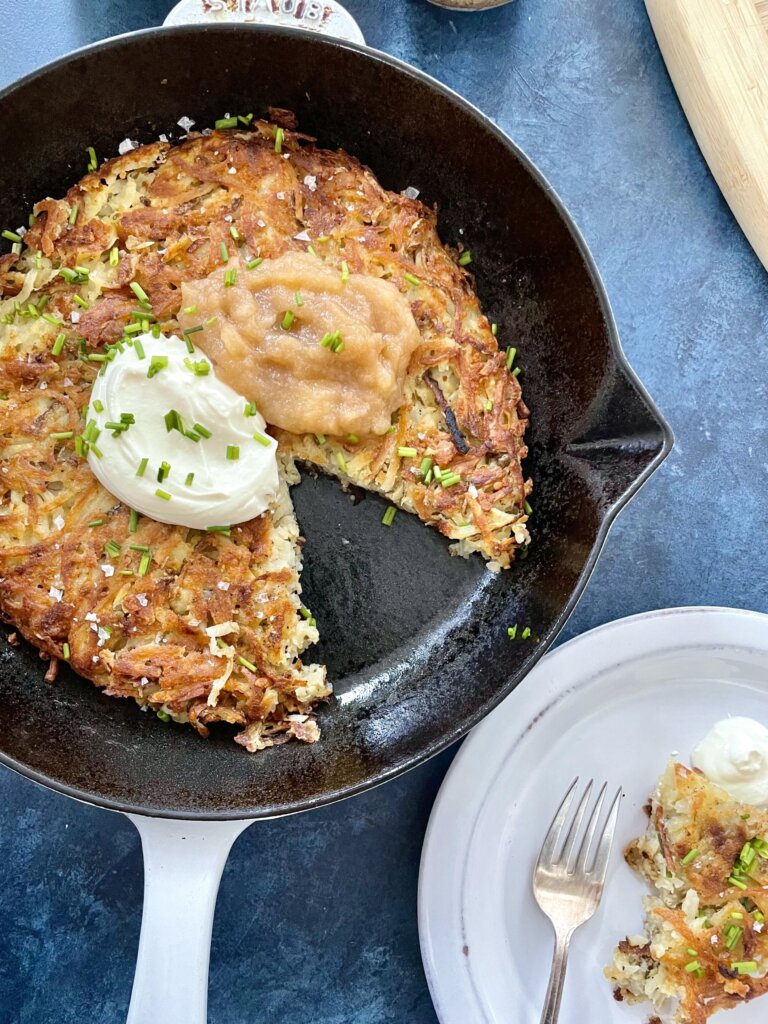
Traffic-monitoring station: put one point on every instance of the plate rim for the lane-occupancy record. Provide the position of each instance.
(534, 701)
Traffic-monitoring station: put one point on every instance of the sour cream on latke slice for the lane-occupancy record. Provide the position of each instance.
(172, 441)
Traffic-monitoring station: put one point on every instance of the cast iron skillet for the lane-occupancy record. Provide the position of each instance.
(415, 640)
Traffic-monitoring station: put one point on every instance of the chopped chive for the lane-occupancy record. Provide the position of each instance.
(465, 259)
(233, 452)
(225, 530)
(135, 328)
(694, 965)
(279, 135)
(512, 631)
(139, 349)
(133, 522)
(320, 438)
(437, 472)
(516, 372)
(234, 232)
(250, 409)
(190, 478)
(247, 664)
(407, 453)
(494, 329)
(16, 248)
(488, 405)
(55, 320)
(225, 122)
(352, 438)
(344, 270)
(245, 119)
(142, 467)
(732, 935)
(11, 236)
(389, 516)
(305, 613)
(81, 446)
(63, 435)
(112, 548)
(114, 256)
(288, 318)
(163, 471)
(138, 547)
(251, 264)
(201, 430)
(526, 633)
(199, 367)
(449, 479)
(341, 461)
(692, 854)
(412, 279)
(189, 310)
(736, 915)
(98, 405)
(230, 276)
(511, 353)
(156, 364)
(73, 214)
(745, 966)
(297, 298)
(193, 330)
(96, 451)
(125, 572)
(80, 301)
(68, 274)
(528, 509)
(93, 163)
(58, 345)
(426, 465)
(96, 522)
(163, 715)
(125, 417)
(737, 882)
(224, 252)
(155, 330)
(139, 292)
(98, 357)
(210, 320)
(311, 251)
(144, 564)
(91, 432)
(163, 494)
(65, 651)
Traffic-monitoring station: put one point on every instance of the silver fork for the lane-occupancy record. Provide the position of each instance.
(569, 878)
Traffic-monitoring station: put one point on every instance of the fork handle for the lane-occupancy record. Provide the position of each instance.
(551, 1010)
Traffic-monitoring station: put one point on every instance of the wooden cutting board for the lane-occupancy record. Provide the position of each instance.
(716, 52)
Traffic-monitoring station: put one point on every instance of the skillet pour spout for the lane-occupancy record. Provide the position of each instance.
(415, 641)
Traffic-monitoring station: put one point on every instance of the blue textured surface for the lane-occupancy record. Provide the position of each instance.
(316, 919)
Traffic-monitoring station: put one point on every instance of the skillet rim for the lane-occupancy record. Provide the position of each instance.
(624, 369)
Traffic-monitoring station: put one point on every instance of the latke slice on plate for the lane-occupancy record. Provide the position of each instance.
(704, 946)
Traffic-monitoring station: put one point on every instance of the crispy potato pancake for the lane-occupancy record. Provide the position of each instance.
(704, 945)
(210, 627)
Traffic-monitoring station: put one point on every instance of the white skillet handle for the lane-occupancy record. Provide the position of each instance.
(183, 862)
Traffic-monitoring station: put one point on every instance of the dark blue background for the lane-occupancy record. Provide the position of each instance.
(316, 920)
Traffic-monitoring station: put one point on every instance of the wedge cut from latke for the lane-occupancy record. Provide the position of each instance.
(704, 945)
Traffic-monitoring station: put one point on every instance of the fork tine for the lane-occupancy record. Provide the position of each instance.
(606, 840)
(573, 831)
(586, 843)
(556, 828)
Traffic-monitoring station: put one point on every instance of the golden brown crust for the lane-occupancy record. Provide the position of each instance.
(168, 211)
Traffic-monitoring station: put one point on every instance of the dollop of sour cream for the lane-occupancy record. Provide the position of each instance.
(192, 452)
(734, 755)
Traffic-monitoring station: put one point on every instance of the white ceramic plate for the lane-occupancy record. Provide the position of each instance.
(612, 704)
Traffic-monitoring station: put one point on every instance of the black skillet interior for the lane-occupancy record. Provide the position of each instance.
(415, 640)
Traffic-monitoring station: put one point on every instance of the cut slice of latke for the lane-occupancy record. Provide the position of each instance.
(158, 216)
(704, 945)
